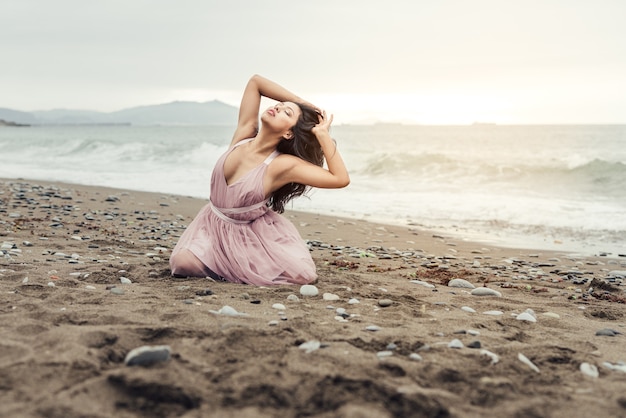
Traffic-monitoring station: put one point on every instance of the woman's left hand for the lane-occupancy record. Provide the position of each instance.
(324, 124)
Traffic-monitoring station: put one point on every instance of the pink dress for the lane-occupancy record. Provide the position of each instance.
(238, 237)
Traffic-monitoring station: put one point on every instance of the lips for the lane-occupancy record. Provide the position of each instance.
(271, 112)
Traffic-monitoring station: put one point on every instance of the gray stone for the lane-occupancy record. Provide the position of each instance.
(147, 355)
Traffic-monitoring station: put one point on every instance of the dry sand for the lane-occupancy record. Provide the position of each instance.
(63, 346)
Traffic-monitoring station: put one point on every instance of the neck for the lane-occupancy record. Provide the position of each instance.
(265, 142)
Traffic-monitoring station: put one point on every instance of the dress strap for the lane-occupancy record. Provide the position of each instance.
(243, 141)
(271, 157)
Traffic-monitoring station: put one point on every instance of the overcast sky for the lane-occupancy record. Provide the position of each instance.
(444, 61)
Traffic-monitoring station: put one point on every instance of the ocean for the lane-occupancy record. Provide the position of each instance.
(542, 187)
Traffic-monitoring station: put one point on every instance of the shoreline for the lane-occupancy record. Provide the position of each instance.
(388, 335)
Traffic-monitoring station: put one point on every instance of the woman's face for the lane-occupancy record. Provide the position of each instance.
(282, 116)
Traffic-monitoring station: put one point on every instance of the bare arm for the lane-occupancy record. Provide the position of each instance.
(257, 87)
(303, 172)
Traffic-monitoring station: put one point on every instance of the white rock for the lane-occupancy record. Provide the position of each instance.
(330, 296)
(309, 290)
(485, 291)
(589, 370)
(293, 298)
(468, 309)
(51, 284)
(372, 328)
(273, 323)
(494, 357)
(310, 346)
(460, 283)
(551, 315)
(353, 301)
(422, 283)
(415, 357)
(25, 280)
(473, 332)
(527, 362)
(124, 280)
(525, 316)
(146, 355)
(384, 354)
(228, 311)
(620, 367)
(493, 313)
(90, 287)
(455, 344)
(340, 311)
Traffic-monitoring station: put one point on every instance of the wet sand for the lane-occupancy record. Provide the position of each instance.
(68, 322)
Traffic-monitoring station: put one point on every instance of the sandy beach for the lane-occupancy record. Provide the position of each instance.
(387, 335)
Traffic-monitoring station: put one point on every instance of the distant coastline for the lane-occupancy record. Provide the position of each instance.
(5, 123)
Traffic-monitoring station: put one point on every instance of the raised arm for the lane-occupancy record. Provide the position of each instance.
(303, 172)
(257, 87)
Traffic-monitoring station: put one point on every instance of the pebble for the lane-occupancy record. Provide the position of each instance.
(551, 315)
(124, 280)
(310, 346)
(372, 328)
(485, 291)
(415, 357)
(460, 283)
(293, 298)
(525, 316)
(51, 284)
(353, 301)
(422, 283)
(456, 343)
(468, 309)
(589, 370)
(90, 287)
(384, 354)
(309, 290)
(330, 297)
(620, 367)
(228, 311)
(147, 355)
(607, 332)
(273, 323)
(385, 302)
(527, 362)
(117, 291)
(493, 313)
(279, 306)
(494, 357)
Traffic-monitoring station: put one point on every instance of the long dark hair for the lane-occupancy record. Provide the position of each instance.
(304, 145)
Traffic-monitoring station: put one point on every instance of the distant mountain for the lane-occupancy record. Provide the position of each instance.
(175, 113)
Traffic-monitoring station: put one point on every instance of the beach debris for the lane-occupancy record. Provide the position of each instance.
(228, 311)
(527, 362)
(309, 290)
(494, 357)
(607, 332)
(385, 302)
(485, 291)
(461, 283)
(310, 346)
(589, 370)
(147, 355)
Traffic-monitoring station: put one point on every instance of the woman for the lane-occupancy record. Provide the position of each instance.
(240, 236)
